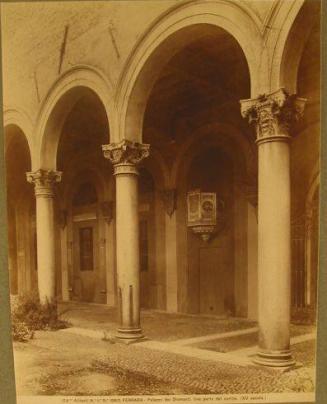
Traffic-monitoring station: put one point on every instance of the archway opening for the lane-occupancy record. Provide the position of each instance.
(174, 47)
(198, 89)
(84, 129)
(305, 25)
(85, 239)
(201, 83)
(21, 213)
(84, 198)
(305, 157)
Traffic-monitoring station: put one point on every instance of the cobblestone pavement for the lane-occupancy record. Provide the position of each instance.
(62, 356)
(243, 341)
(75, 364)
(159, 326)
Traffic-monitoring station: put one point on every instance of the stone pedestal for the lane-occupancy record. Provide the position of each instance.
(125, 157)
(273, 116)
(44, 181)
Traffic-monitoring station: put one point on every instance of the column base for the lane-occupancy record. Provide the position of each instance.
(275, 359)
(129, 335)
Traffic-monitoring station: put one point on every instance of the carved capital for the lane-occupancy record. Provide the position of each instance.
(44, 181)
(126, 152)
(273, 115)
(169, 198)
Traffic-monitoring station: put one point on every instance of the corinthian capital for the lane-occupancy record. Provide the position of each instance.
(273, 115)
(125, 152)
(44, 181)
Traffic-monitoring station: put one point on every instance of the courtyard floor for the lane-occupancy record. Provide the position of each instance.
(184, 354)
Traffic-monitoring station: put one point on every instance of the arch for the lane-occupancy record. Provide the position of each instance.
(169, 34)
(18, 161)
(59, 102)
(296, 20)
(19, 119)
(90, 174)
(244, 151)
(157, 166)
(85, 194)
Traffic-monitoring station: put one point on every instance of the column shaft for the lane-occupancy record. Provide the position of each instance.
(274, 116)
(125, 157)
(44, 181)
(45, 248)
(127, 238)
(274, 252)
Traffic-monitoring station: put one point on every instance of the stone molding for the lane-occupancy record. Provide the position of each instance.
(273, 115)
(125, 155)
(44, 181)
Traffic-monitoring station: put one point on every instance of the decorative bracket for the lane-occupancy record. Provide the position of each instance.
(63, 214)
(107, 209)
(169, 198)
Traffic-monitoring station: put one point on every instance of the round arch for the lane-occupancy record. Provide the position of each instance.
(87, 175)
(157, 166)
(17, 118)
(90, 174)
(297, 20)
(233, 137)
(18, 158)
(171, 33)
(59, 102)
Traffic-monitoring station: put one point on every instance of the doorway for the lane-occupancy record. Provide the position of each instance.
(85, 259)
(85, 243)
(211, 263)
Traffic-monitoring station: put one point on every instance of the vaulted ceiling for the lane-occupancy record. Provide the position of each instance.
(203, 82)
(84, 131)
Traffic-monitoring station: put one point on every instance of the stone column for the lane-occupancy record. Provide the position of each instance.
(125, 156)
(273, 116)
(44, 181)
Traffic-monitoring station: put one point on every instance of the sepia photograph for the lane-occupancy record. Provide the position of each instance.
(162, 184)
